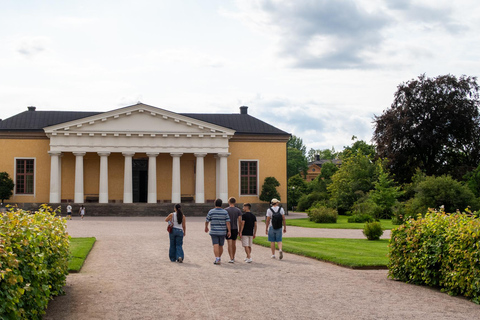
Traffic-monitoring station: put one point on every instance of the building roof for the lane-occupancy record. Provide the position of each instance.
(33, 120)
(322, 161)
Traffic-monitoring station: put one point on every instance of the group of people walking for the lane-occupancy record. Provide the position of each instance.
(229, 224)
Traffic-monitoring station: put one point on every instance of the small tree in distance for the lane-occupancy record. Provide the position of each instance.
(6, 186)
(269, 189)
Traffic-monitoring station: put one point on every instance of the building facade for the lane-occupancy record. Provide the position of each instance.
(140, 153)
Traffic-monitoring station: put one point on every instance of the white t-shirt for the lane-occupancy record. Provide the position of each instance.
(69, 209)
(269, 213)
(175, 221)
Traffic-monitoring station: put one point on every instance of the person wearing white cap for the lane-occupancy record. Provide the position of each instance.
(275, 220)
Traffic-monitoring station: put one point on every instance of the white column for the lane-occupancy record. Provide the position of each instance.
(176, 186)
(127, 178)
(152, 177)
(200, 179)
(223, 181)
(60, 177)
(78, 197)
(217, 177)
(103, 187)
(54, 179)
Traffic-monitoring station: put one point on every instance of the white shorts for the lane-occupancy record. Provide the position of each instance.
(247, 241)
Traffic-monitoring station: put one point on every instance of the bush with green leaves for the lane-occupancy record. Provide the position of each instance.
(434, 192)
(373, 230)
(33, 261)
(438, 250)
(269, 189)
(360, 218)
(308, 200)
(321, 214)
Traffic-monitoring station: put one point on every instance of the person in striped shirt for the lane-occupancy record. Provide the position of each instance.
(220, 227)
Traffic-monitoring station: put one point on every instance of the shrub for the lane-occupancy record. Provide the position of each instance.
(306, 201)
(438, 250)
(33, 261)
(373, 230)
(323, 215)
(360, 218)
(434, 192)
(269, 189)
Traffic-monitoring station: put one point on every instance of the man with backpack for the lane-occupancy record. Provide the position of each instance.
(274, 222)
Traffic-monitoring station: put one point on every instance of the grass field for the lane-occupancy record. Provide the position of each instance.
(353, 253)
(342, 223)
(79, 250)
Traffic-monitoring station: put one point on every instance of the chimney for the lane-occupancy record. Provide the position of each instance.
(317, 157)
(243, 110)
(31, 108)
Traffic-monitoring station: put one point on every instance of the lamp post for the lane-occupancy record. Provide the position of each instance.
(293, 196)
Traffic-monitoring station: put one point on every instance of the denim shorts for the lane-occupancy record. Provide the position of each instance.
(220, 240)
(275, 235)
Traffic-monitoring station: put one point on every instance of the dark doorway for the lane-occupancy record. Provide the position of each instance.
(140, 180)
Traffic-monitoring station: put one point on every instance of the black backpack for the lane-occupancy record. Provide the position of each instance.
(277, 219)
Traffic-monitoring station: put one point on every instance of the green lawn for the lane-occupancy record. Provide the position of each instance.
(342, 223)
(79, 249)
(353, 253)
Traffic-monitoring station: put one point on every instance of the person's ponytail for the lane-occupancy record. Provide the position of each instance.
(178, 208)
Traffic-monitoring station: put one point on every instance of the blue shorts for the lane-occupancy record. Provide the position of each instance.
(220, 240)
(274, 235)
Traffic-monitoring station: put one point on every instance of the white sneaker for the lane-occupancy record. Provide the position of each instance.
(231, 261)
(246, 259)
(249, 260)
(273, 256)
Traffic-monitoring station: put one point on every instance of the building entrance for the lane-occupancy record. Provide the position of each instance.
(140, 180)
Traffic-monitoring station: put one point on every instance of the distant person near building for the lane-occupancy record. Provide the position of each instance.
(248, 230)
(220, 227)
(235, 215)
(274, 222)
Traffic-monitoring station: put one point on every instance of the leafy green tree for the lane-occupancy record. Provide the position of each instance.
(356, 147)
(6, 186)
(324, 179)
(354, 179)
(325, 154)
(434, 192)
(269, 189)
(297, 143)
(433, 124)
(385, 193)
(296, 162)
(297, 187)
(473, 181)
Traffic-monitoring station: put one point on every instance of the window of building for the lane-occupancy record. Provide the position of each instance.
(248, 177)
(25, 174)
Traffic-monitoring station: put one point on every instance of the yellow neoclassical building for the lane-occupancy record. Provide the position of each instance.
(140, 153)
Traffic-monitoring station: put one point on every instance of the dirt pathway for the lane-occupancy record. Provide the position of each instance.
(128, 276)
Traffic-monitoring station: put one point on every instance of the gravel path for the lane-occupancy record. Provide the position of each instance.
(128, 276)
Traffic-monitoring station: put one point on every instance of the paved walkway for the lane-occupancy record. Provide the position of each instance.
(128, 276)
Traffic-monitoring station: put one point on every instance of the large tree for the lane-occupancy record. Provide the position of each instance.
(296, 157)
(433, 124)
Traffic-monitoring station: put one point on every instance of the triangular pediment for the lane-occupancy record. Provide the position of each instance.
(138, 119)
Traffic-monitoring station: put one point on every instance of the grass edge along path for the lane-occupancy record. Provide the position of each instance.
(350, 253)
(79, 250)
(342, 223)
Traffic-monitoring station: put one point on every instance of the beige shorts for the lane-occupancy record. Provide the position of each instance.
(247, 241)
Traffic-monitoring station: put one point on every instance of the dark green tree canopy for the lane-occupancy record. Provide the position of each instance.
(433, 124)
(269, 189)
(6, 186)
(297, 143)
(296, 162)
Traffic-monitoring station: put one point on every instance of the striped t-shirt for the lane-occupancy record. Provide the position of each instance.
(218, 218)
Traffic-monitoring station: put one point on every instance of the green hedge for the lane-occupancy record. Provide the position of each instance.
(33, 261)
(438, 250)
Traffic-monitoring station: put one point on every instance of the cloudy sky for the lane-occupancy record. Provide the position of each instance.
(318, 69)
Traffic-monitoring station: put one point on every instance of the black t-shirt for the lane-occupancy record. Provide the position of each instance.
(249, 219)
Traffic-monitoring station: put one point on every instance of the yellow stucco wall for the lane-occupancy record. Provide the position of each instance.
(272, 162)
(271, 157)
(34, 148)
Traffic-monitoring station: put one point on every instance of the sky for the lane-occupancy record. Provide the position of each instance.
(320, 70)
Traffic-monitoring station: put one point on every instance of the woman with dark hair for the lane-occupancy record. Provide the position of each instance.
(176, 236)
